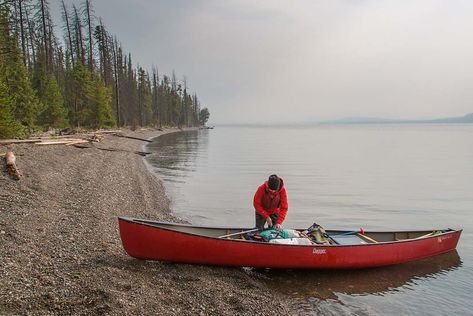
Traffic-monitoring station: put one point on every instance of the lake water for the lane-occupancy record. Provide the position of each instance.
(341, 176)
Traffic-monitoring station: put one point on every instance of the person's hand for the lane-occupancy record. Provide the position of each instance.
(278, 226)
(269, 222)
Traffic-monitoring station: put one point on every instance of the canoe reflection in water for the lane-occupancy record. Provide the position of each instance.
(325, 284)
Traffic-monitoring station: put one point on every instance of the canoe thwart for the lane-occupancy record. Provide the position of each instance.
(363, 236)
(239, 233)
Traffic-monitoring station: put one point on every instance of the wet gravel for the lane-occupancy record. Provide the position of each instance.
(60, 250)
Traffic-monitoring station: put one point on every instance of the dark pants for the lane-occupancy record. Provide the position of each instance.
(261, 221)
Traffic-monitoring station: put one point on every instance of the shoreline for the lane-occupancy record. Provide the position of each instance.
(61, 250)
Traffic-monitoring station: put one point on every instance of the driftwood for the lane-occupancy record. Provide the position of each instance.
(58, 142)
(69, 141)
(97, 136)
(79, 141)
(77, 136)
(141, 153)
(38, 138)
(17, 141)
(132, 137)
(12, 169)
(109, 132)
(10, 158)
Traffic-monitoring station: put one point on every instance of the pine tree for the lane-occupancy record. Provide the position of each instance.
(53, 85)
(15, 76)
(54, 113)
(9, 126)
(39, 73)
(144, 98)
(79, 94)
(101, 114)
(204, 116)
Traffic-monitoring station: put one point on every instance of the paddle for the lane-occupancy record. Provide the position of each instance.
(361, 231)
(239, 233)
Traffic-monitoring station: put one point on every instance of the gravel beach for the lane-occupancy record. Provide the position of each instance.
(61, 252)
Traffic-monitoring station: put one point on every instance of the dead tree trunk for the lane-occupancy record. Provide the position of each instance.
(91, 39)
(68, 28)
(45, 35)
(22, 31)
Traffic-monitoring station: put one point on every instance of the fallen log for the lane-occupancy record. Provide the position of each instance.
(141, 153)
(79, 141)
(17, 141)
(58, 142)
(12, 169)
(46, 140)
(109, 132)
(132, 137)
(59, 139)
(38, 138)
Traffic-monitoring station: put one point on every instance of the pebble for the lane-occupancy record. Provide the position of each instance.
(56, 258)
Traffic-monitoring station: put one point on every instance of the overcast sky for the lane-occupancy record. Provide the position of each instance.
(295, 60)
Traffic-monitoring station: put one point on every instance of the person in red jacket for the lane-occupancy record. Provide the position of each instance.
(270, 203)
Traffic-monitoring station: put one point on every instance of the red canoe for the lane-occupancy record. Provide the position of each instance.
(152, 240)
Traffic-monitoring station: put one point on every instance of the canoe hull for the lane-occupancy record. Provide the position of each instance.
(148, 242)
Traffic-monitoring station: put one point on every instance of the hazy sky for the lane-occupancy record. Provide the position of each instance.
(295, 60)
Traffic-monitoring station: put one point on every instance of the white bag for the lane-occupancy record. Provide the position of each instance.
(291, 241)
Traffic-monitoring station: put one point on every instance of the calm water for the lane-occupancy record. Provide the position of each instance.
(347, 177)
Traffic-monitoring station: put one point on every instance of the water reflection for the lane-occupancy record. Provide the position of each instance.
(174, 155)
(375, 177)
(324, 284)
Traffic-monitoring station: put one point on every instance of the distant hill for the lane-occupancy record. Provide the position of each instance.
(372, 120)
(462, 119)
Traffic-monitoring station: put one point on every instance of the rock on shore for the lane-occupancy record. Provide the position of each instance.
(61, 252)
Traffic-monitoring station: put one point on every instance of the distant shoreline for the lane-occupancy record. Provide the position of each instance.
(302, 125)
(467, 119)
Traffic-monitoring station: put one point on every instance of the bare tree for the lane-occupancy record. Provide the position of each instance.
(80, 52)
(156, 103)
(22, 31)
(117, 64)
(65, 17)
(104, 43)
(88, 11)
(184, 103)
(44, 8)
(31, 38)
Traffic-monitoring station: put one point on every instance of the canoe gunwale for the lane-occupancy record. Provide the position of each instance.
(153, 224)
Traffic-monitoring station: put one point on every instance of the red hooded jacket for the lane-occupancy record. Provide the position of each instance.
(267, 203)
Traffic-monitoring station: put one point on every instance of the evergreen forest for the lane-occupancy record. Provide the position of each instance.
(84, 79)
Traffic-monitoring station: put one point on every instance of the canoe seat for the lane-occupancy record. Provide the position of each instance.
(433, 233)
